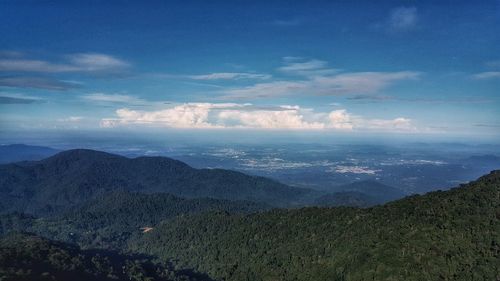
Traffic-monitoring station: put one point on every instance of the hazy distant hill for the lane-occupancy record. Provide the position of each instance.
(450, 235)
(22, 152)
(25, 257)
(75, 176)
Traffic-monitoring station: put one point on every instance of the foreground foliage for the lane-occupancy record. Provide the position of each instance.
(28, 257)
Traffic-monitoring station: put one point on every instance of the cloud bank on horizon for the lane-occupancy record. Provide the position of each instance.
(389, 68)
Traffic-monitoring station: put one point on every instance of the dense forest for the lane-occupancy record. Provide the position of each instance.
(109, 221)
(452, 235)
(24, 257)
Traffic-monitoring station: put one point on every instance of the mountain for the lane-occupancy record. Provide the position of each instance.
(22, 152)
(443, 235)
(380, 192)
(360, 194)
(24, 257)
(346, 198)
(73, 177)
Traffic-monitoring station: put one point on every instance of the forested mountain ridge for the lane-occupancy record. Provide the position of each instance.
(451, 235)
(72, 177)
(110, 220)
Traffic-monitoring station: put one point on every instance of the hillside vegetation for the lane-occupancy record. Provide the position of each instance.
(109, 221)
(452, 235)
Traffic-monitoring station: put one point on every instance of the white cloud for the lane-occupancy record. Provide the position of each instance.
(403, 19)
(340, 119)
(486, 75)
(190, 115)
(246, 116)
(85, 62)
(230, 76)
(291, 118)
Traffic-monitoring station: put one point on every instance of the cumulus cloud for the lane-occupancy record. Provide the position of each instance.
(486, 75)
(340, 119)
(190, 115)
(290, 118)
(246, 116)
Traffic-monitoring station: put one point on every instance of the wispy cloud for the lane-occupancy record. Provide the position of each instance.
(400, 19)
(85, 62)
(300, 66)
(114, 98)
(71, 119)
(339, 84)
(381, 98)
(287, 22)
(36, 83)
(230, 76)
(403, 19)
(6, 98)
(487, 75)
(245, 116)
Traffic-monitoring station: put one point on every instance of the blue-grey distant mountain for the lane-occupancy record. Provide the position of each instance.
(73, 177)
(22, 152)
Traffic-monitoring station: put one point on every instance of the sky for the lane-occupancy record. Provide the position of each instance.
(361, 68)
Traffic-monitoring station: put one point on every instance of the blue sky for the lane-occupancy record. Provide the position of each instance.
(343, 67)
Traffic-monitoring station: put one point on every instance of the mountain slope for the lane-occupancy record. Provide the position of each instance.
(75, 176)
(452, 235)
(109, 222)
(346, 198)
(380, 192)
(27, 257)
